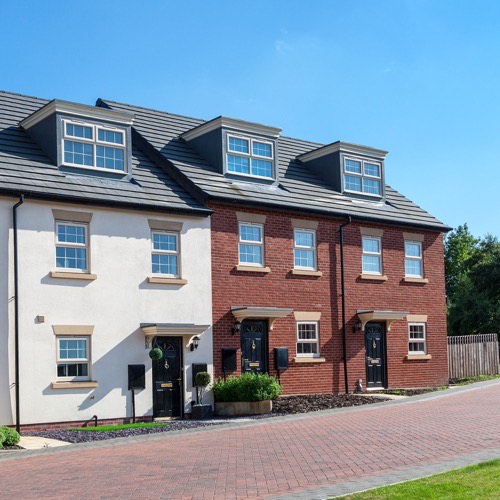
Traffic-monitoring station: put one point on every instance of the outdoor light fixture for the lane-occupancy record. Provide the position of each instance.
(195, 342)
(357, 327)
(236, 328)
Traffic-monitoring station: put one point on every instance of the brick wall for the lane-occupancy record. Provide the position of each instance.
(280, 288)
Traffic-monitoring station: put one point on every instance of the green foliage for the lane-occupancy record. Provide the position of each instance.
(156, 354)
(472, 277)
(120, 427)
(8, 437)
(202, 379)
(247, 387)
(475, 481)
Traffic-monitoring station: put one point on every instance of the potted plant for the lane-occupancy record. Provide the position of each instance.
(199, 411)
(249, 394)
(156, 353)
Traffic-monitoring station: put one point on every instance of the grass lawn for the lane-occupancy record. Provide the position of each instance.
(107, 428)
(481, 481)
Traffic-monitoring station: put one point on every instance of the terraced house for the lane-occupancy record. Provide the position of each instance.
(221, 241)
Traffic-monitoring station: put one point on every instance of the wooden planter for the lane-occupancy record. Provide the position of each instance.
(243, 408)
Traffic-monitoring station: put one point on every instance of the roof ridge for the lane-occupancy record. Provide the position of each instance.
(152, 109)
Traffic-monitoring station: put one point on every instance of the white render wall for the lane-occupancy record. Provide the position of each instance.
(116, 303)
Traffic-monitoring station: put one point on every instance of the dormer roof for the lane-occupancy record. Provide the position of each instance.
(346, 147)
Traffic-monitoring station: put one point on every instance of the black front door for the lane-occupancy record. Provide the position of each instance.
(375, 355)
(167, 378)
(254, 346)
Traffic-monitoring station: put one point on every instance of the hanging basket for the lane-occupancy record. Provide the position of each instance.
(155, 354)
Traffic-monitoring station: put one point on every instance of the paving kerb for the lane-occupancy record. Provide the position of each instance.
(398, 476)
(16, 454)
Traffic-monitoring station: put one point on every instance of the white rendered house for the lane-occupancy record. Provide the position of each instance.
(113, 259)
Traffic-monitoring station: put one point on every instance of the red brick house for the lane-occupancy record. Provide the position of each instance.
(312, 253)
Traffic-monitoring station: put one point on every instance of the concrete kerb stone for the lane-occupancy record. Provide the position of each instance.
(17, 454)
(395, 477)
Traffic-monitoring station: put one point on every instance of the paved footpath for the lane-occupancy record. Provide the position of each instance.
(307, 456)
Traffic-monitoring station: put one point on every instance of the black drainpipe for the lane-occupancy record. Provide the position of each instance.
(16, 311)
(342, 286)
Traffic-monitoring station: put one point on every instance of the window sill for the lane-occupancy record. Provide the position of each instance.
(305, 272)
(299, 359)
(166, 281)
(73, 276)
(415, 280)
(253, 269)
(86, 384)
(373, 277)
(411, 357)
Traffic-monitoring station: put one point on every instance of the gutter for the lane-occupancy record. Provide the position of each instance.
(16, 311)
(342, 287)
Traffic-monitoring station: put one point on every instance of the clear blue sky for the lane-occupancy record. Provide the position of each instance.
(418, 78)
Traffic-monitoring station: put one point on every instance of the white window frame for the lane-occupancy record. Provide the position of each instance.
(362, 176)
(95, 142)
(72, 361)
(251, 243)
(413, 258)
(308, 341)
(300, 247)
(420, 341)
(371, 254)
(250, 155)
(177, 253)
(72, 245)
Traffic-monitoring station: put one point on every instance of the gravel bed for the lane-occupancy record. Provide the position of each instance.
(86, 436)
(286, 405)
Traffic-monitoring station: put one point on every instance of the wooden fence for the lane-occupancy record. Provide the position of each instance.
(470, 355)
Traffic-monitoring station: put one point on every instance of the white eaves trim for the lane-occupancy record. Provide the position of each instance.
(76, 109)
(233, 124)
(345, 147)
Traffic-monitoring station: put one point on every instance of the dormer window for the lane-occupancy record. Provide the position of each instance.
(93, 146)
(249, 156)
(362, 176)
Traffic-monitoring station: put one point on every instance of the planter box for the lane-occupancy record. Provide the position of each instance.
(201, 412)
(243, 408)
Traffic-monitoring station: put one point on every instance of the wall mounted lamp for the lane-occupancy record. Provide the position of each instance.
(357, 327)
(195, 342)
(236, 328)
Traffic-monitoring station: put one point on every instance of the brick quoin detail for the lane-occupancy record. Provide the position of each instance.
(280, 288)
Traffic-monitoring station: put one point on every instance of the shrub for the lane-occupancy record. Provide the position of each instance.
(156, 354)
(202, 379)
(247, 387)
(8, 436)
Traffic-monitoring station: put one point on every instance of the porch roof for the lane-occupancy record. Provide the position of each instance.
(189, 330)
(270, 313)
(366, 315)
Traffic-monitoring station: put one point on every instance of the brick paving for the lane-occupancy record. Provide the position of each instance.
(306, 456)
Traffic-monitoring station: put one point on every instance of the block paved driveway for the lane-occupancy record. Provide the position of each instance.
(293, 456)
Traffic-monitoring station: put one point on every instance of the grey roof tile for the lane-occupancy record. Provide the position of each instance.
(25, 167)
(301, 189)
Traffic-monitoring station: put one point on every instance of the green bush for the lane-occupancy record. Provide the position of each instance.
(8, 436)
(156, 354)
(202, 379)
(247, 387)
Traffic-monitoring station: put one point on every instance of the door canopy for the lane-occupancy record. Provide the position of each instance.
(185, 330)
(388, 317)
(270, 313)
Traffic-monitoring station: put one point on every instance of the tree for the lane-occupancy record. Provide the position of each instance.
(472, 282)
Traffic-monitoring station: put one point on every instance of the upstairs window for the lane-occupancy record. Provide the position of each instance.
(71, 246)
(165, 253)
(252, 157)
(304, 252)
(93, 146)
(251, 244)
(413, 259)
(372, 255)
(363, 176)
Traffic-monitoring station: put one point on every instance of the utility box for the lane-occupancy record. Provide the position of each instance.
(228, 359)
(136, 377)
(197, 368)
(281, 358)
